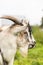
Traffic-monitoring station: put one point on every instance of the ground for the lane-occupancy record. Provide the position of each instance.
(35, 55)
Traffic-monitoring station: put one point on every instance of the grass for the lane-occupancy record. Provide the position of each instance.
(35, 55)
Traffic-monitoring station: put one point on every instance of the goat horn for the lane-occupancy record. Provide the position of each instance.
(15, 20)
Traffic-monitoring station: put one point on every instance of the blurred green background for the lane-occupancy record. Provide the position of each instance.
(35, 55)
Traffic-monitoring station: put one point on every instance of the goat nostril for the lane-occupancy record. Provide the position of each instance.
(34, 42)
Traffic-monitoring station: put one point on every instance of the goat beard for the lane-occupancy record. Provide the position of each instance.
(24, 51)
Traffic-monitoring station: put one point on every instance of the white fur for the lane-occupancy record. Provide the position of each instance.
(10, 39)
(8, 44)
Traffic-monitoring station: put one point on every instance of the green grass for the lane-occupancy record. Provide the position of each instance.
(35, 55)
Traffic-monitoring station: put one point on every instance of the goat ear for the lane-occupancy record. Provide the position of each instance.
(13, 19)
(19, 29)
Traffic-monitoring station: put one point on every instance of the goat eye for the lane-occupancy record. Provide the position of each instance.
(25, 32)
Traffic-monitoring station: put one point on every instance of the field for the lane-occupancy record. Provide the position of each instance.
(35, 55)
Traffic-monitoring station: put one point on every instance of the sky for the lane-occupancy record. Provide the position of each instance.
(31, 9)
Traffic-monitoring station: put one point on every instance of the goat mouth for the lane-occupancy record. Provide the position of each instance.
(31, 46)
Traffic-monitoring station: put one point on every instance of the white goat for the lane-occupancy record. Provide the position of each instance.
(11, 38)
